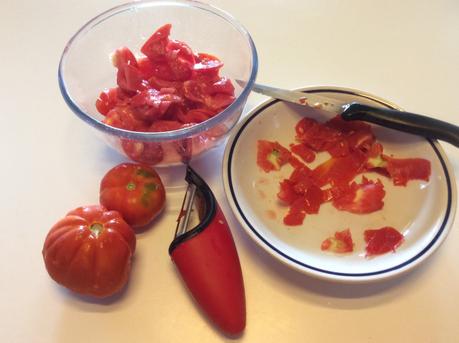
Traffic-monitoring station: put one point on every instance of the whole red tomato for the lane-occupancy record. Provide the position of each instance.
(134, 190)
(89, 251)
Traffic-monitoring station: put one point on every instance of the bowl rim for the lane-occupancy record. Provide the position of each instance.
(167, 135)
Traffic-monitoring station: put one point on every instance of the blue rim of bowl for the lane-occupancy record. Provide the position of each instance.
(168, 135)
(448, 214)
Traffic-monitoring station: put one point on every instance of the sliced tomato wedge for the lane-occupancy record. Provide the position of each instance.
(207, 66)
(271, 155)
(155, 46)
(123, 56)
(222, 85)
(146, 68)
(130, 79)
(402, 170)
(143, 152)
(218, 101)
(341, 242)
(180, 59)
(381, 241)
(364, 197)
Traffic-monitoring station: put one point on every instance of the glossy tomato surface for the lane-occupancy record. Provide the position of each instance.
(89, 251)
(134, 190)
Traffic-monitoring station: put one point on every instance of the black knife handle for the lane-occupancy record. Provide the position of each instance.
(404, 121)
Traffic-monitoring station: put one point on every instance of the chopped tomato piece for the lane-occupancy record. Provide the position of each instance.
(151, 104)
(219, 101)
(222, 85)
(271, 155)
(306, 154)
(123, 56)
(180, 59)
(146, 68)
(107, 100)
(207, 66)
(340, 243)
(365, 197)
(197, 115)
(130, 79)
(155, 47)
(381, 241)
(143, 152)
(402, 170)
(123, 117)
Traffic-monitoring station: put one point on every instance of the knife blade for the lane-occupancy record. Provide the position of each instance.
(300, 98)
(398, 120)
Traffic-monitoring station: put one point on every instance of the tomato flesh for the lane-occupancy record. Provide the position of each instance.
(136, 191)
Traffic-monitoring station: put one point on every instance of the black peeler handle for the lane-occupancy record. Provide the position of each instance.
(404, 121)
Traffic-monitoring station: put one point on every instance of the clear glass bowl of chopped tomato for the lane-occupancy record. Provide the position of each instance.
(139, 74)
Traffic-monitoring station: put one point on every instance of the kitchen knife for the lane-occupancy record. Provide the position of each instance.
(399, 120)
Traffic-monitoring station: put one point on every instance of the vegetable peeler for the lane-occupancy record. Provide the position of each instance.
(204, 252)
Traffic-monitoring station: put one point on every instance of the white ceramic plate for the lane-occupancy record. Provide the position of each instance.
(422, 211)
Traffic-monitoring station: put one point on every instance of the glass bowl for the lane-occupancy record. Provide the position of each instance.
(85, 70)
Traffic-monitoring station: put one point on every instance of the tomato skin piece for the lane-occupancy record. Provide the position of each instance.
(381, 241)
(136, 191)
(306, 154)
(340, 243)
(366, 197)
(339, 170)
(294, 218)
(402, 170)
(89, 251)
(271, 155)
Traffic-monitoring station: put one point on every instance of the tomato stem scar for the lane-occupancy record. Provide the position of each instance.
(130, 186)
(96, 229)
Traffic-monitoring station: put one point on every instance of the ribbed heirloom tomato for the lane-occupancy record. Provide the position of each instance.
(89, 251)
(134, 190)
